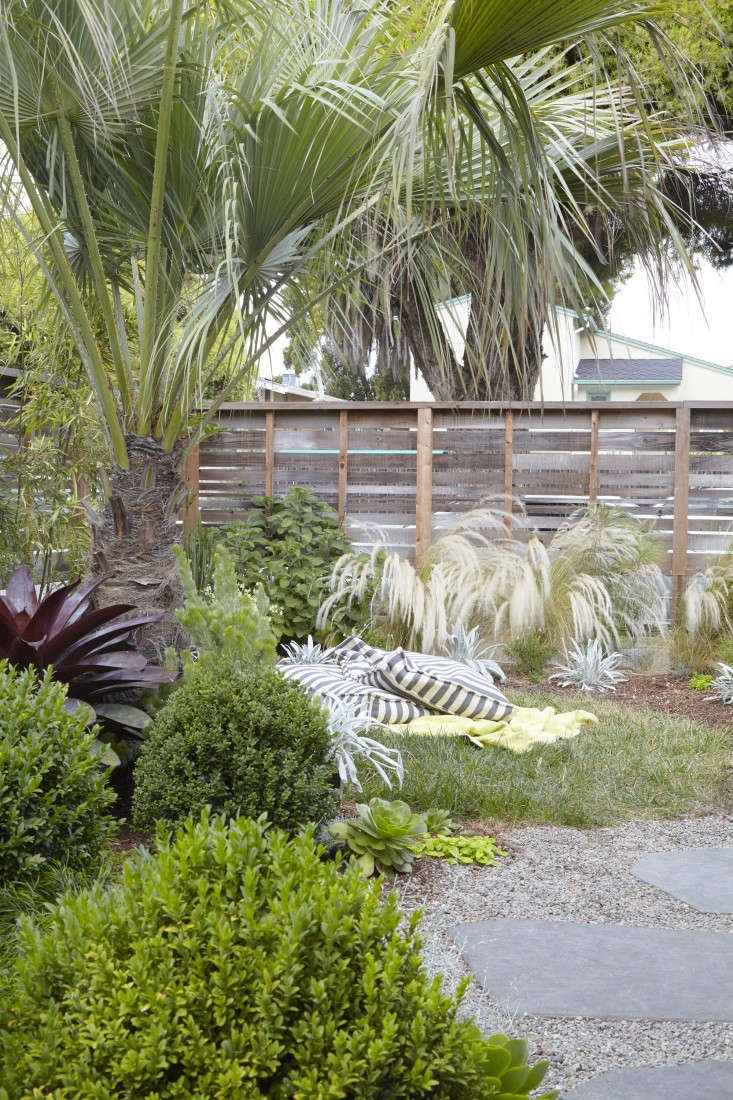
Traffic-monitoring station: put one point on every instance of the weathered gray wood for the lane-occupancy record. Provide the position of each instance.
(424, 483)
(681, 494)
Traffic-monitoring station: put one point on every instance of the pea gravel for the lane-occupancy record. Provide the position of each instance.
(556, 873)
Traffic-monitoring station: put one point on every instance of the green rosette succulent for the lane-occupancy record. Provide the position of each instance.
(383, 837)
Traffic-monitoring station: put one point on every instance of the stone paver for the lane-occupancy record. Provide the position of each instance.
(702, 877)
(558, 968)
(696, 1081)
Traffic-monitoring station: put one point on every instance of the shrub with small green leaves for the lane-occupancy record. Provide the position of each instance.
(701, 681)
(531, 654)
(242, 744)
(236, 963)
(54, 798)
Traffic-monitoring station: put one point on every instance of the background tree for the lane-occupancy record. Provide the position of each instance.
(196, 156)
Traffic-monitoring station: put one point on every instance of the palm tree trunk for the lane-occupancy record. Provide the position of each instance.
(134, 537)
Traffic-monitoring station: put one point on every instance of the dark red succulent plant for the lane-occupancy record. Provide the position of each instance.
(90, 649)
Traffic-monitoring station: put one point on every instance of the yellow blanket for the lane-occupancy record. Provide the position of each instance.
(525, 728)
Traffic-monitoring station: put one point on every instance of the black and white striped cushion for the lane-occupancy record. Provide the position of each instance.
(330, 683)
(438, 683)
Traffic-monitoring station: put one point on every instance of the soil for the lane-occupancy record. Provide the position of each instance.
(127, 839)
(666, 694)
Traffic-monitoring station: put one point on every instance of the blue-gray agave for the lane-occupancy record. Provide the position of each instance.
(307, 653)
(466, 646)
(722, 686)
(349, 743)
(588, 668)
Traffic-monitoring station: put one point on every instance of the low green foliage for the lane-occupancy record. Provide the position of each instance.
(226, 625)
(235, 963)
(53, 794)
(241, 744)
(462, 849)
(700, 681)
(289, 545)
(724, 652)
(636, 763)
(383, 836)
(531, 653)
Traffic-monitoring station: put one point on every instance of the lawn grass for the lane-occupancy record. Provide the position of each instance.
(635, 763)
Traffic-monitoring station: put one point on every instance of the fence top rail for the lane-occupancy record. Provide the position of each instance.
(479, 406)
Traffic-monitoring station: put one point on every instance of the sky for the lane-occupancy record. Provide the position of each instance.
(703, 329)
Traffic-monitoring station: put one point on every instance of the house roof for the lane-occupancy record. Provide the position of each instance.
(630, 371)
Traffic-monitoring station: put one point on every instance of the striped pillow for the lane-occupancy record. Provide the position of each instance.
(438, 683)
(329, 683)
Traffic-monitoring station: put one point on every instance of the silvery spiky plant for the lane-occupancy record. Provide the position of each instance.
(307, 653)
(722, 686)
(349, 742)
(588, 668)
(466, 646)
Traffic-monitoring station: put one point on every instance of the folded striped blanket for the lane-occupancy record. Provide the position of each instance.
(329, 683)
(437, 684)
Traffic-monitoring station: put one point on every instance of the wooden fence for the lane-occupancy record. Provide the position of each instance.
(408, 469)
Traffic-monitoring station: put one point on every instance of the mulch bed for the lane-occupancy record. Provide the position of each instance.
(665, 694)
(127, 839)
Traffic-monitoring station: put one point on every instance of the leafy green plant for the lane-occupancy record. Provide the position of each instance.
(289, 545)
(240, 743)
(291, 973)
(722, 686)
(438, 821)
(599, 577)
(53, 795)
(383, 837)
(462, 849)
(531, 653)
(701, 681)
(199, 546)
(225, 624)
(588, 668)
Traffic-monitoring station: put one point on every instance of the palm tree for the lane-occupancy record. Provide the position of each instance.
(188, 159)
(514, 243)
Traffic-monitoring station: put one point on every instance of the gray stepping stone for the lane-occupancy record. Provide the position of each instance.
(703, 877)
(696, 1081)
(554, 968)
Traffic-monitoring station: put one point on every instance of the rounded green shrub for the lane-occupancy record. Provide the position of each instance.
(237, 964)
(53, 794)
(243, 745)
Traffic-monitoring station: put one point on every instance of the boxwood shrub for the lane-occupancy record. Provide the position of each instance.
(240, 744)
(53, 794)
(237, 964)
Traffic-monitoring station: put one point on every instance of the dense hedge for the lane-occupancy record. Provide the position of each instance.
(53, 794)
(238, 965)
(241, 744)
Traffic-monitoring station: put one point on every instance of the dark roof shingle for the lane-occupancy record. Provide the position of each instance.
(629, 370)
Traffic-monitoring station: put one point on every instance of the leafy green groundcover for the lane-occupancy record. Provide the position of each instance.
(234, 964)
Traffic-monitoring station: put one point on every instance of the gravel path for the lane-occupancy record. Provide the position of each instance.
(557, 873)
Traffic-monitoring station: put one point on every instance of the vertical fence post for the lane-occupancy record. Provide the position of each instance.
(593, 478)
(681, 510)
(191, 486)
(424, 484)
(269, 452)
(343, 462)
(508, 468)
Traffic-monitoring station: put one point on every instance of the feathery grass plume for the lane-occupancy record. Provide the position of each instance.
(597, 578)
